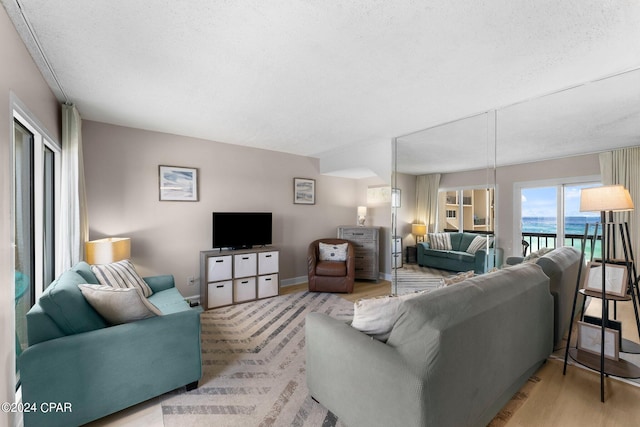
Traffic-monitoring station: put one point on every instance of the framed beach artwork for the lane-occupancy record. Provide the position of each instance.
(590, 340)
(615, 278)
(178, 183)
(304, 191)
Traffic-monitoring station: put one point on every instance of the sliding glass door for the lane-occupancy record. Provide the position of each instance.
(36, 174)
(550, 216)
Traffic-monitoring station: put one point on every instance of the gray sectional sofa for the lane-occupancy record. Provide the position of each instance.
(457, 258)
(561, 265)
(454, 357)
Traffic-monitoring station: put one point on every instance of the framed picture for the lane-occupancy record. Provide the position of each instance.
(396, 200)
(378, 194)
(615, 278)
(178, 183)
(590, 340)
(304, 191)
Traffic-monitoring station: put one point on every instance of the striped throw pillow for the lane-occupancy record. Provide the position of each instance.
(478, 242)
(441, 241)
(121, 274)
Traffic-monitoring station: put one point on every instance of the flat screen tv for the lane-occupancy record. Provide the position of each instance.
(238, 230)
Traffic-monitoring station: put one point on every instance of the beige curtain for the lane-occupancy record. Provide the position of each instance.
(427, 200)
(74, 226)
(623, 167)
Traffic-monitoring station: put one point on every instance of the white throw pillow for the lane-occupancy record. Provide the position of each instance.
(376, 316)
(440, 241)
(119, 305)
(121, 274)
(333, 252)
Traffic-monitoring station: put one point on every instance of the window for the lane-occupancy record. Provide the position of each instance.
(36, 172)
(466, 210)
(542, 205)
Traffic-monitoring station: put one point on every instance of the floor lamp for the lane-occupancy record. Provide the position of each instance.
(606, 200)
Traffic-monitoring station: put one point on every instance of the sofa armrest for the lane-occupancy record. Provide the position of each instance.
(354, 375)
(495, 256)
(160, 283)
(424, 245)
(106, 370)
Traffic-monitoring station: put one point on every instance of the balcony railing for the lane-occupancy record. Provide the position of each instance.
(548, 240)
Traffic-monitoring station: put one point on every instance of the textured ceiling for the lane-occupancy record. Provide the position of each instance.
(310, 77)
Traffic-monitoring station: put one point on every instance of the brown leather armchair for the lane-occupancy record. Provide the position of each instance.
(330, 276)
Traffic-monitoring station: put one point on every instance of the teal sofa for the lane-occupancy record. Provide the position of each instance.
(457, 259)
(75, 359)
(454, 357)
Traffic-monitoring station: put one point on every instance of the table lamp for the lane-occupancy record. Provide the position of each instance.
(362, 215)
(419, 230)
(108, 250)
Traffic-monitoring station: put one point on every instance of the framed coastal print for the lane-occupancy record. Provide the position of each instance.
(615, 278)
(304, 191)
(590, 340)
(178, 183)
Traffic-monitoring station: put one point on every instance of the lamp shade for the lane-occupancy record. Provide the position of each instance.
(105, 251)
(418, 229)
(362, 210)
(605, 198)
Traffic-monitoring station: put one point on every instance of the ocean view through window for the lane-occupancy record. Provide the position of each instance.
(542, 206)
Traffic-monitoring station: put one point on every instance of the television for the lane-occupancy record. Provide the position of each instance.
(239, 230)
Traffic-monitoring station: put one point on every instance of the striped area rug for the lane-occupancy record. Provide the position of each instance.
(253, 366)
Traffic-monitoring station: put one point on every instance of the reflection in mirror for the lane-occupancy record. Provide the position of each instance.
(481, 160)
(442, 204)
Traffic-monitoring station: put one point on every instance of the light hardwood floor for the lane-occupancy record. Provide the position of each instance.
(557, 400)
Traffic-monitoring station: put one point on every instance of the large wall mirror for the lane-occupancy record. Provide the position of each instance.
(482, 163)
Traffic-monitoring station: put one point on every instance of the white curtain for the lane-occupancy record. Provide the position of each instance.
(623, 167)
(427, 200)
(74, 226)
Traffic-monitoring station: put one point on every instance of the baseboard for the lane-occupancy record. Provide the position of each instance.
(294, 281)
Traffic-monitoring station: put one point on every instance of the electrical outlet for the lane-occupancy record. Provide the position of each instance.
(191, 280)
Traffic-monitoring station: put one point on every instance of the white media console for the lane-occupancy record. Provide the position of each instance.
(233, 276)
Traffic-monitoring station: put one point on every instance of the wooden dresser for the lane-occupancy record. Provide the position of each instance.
(366, 241)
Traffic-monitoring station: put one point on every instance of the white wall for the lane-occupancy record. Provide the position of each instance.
(19, 75)
(121, 169)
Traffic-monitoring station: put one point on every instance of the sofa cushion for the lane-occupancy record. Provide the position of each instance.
(331, 268)
(465, 241)
(440, 241)
(478, 242)
(119, 305)
(84, 269)
(336, 252)
(458, 256)
(376, 316)
(121, 274)
(169, 301)
(64, 303)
